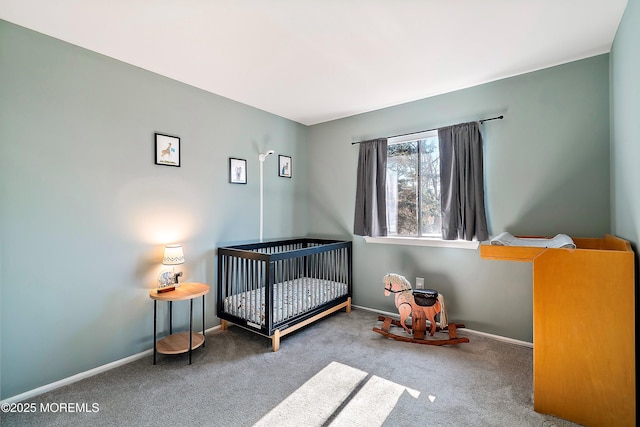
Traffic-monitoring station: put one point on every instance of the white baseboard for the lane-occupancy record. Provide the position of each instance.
(74, 378)
(501, 338)
(82, 375)
(91, 372)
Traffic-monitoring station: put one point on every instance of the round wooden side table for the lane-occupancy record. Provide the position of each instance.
(179, 342)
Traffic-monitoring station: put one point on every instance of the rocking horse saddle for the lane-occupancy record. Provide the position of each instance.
(425, 297)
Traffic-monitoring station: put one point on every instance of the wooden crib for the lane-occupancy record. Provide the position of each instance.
(275, 288)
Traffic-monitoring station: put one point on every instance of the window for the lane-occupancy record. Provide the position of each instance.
(413, 186)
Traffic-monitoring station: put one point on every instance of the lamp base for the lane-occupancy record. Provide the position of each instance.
(168, 281)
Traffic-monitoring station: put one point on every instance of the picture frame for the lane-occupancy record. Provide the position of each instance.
(285, 166)
(237, 171)
(167, 150)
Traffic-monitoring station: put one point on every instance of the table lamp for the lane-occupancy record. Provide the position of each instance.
(168, 279)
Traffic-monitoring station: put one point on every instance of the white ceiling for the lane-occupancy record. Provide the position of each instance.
(312, 60)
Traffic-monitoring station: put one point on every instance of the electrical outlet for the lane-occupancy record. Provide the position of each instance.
(419, 282)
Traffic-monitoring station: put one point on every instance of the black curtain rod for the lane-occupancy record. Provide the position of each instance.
(429, 130)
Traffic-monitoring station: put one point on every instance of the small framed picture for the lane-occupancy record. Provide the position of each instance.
(284, 166)
(167, 150)
(237, 171)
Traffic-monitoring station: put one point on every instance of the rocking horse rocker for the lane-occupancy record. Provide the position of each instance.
(420, 304)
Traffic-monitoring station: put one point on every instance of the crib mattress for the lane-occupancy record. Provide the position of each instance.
(290, 298)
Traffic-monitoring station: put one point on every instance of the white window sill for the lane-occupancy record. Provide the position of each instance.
(423, 241)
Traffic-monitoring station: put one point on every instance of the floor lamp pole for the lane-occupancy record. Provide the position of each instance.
(261, 196)
(261, 157)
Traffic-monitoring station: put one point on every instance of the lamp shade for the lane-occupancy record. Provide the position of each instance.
(173, 255)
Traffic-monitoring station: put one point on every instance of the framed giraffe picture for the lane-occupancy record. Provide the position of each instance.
(167, 150)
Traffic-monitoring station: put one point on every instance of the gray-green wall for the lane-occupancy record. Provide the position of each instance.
(625, 127)
(85, 212)
(625, 134)
(547, 172)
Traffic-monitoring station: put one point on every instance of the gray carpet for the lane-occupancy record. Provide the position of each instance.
(334, 372)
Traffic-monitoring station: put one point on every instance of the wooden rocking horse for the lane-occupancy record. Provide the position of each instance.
(420, 304)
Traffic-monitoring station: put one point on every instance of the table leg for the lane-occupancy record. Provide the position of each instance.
(204, 342)
(190, 328)
(155, 316)
(170, 317)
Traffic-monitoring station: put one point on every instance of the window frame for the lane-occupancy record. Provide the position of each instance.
(428, 240)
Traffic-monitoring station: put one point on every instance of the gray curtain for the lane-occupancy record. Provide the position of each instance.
(462, 183)
(370, 217)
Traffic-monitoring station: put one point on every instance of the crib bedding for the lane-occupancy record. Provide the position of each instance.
(290, 298)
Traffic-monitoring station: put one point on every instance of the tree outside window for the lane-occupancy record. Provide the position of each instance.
(413, 187)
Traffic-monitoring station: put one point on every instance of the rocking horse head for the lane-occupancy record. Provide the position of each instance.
(395, 283)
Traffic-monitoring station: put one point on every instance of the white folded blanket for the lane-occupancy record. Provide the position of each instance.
(508, 239)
